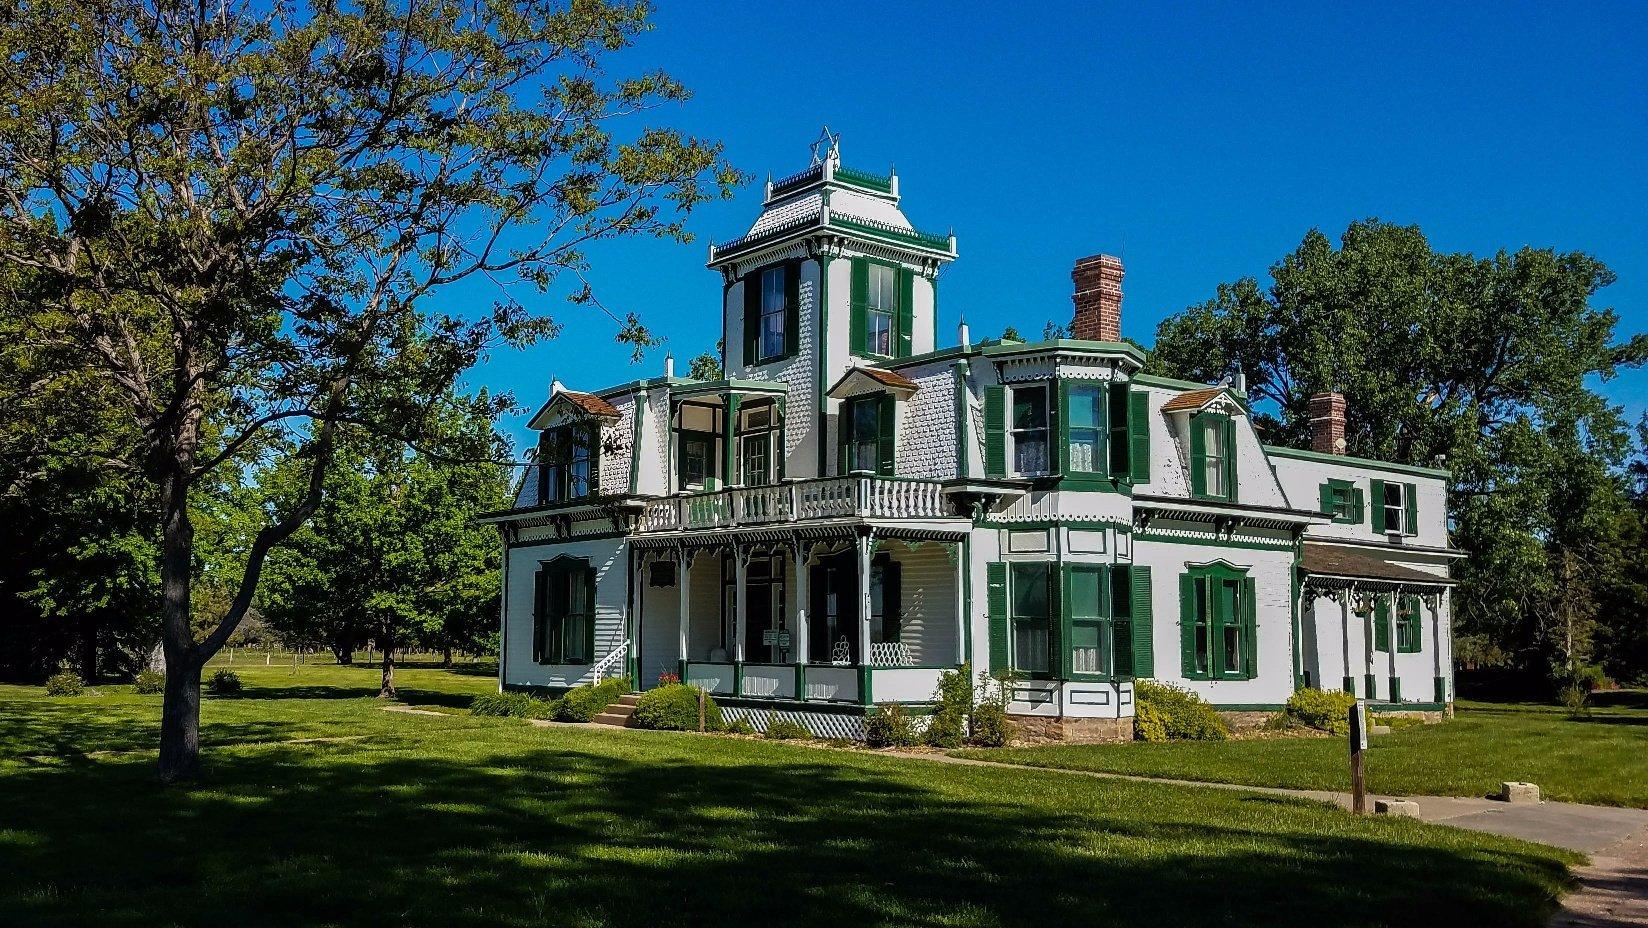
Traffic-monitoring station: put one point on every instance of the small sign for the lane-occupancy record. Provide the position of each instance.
(779, 638)
(1359, 725)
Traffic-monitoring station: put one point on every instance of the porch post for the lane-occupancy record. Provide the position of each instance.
(961, 602)
(632, 624)
(730, 449)
(1367, 648)
(683, 567)
(800, 646)
(741, 598)
(1435, 603)
(1395, 694)
(865, 693)
(1344, 604)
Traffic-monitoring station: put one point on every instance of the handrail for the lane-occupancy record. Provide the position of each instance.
(612, 657)
(856, 495)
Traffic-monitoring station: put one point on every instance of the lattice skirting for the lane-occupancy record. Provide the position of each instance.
(821, 724)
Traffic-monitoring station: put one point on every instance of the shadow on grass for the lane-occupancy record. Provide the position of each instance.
(502, 831)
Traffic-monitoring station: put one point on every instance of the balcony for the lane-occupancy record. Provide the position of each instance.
(854, 496)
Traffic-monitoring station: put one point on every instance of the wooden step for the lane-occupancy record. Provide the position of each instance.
(612, 718)
(628, 699)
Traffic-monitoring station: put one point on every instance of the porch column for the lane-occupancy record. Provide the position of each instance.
(741, 599)
(632, 622)
(683, 567)
(800, 650)
(864, 600)
(730, 444)
(1344, 602)
(1395, 694)
(961, 602)
(1367, 648)
(1441, 682)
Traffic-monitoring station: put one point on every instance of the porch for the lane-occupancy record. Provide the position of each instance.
(844, 615)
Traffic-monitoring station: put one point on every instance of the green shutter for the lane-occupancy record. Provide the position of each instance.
(1250, 629)
(1138, 435)
(843, 434)
(1187, 626)
(995, 438)
(1381, 625)
(1144, 649)
(1409, 497)
(792, 308)
(594, 436)
(589, 614)
(996, 606)
(778, 449)
(1118, 454)
(1230, 459)
(1061, 430)
(904, 338)
(860, 298)
(1121, 621)
(1059, 629)
(886, 417)
(1358, 509)
(539, 582)
(752, 316)
(1376, 490)
(1325, 498)
(1198, 457)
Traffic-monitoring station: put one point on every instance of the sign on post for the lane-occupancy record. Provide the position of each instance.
(1358, 744)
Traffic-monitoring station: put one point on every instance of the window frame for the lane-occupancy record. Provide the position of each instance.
(1401, 508)
(1103, 620)
(1202, 425)
(1342, 500)
(780, 272)
(554, 609)
(884, 431)
(1097, 433)
(1016, 574)
(1204, 584)
(1046, 429)
(559, 449)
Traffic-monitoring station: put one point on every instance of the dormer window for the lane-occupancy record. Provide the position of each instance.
(565, 456)
(1212, 456)
(1029, 432)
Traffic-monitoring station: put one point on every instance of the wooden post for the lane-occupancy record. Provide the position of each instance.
(1358, 746)
(701, 710)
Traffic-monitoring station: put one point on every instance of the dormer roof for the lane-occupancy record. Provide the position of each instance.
(861, 380)
(1197, 400)
(585, 403)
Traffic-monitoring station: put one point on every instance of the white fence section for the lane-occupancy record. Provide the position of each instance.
(903, 684)
(835, 683)
(715, 678)
(770, 680)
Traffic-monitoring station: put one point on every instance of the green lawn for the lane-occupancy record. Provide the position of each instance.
(1602, 758)
(427, 820)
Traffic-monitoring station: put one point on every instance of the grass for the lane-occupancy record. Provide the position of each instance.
(457, 820)
(1601, 758)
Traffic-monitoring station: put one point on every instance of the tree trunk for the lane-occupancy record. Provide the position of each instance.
(180, 723)
(88, 648)
(446, 657)
(387, 689)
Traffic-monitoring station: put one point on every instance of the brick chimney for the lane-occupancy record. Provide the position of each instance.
(1098, 299)
(1327, 423)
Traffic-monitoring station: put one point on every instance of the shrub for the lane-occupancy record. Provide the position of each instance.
(224, 683)
(65, 683)
(888, 726)
(512, 705)
(740, 726)
(582, 703)
(1183, 716)
(988, 719)
(947, 729)
(675, 708)
(1575, 700)
(148, 683)
(1322, 710)
(785, 729)
(954, 699)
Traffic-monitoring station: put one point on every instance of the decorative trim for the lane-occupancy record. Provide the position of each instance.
(1282, 452)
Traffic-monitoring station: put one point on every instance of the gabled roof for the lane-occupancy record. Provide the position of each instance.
(1193, 400)
(587, 403)
(860, 380)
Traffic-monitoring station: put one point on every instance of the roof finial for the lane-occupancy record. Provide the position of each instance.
(830, 142)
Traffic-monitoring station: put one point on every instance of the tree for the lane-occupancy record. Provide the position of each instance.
(243, 209)
(707, 366)
(1487, 364)
(394, 552)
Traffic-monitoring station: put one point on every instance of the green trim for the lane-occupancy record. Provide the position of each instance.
(966, 555)
(1072, 520)
(729, 440)
(820, 355)
(1153, 380)
(856, 178)
(1151, 537)
(1441, 688)
(833, 707)
(1348, 684)
(995, 347)
(1368, 683)
(1243, 618)
(697, 387)
(1395, 689)
(1281, 452)
(1293, 607)
(864, 688)
(963, 459)
(875, 231)
(572, 539)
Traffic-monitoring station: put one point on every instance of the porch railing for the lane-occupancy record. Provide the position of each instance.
(613, 658)
(857, 495)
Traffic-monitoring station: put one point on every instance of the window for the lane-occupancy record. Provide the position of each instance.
(1031, 589)
(764, 597)
(1086, 436)
(1408, 626)
(1029, 430)
(1120, 456)
(564, 629)
(698, 430)
(866, 434)
(566, 461)
(1217, 624)
(880, 311)
(774, 308)
(1212, 457)
(757, 442)
(697, 460)
(885, 619)
(1342, 500)
(1090, 637)
(1395, 506)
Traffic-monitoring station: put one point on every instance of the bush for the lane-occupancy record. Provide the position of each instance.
(785, 729)
(947, 729)
(954, 699)
(148, 683)
(675, 708)
(1575, 699)
(224, 683)
(888, 726)
(991, 729)
(582, 703)
(512, 705)
(1162, 712)
(65, 683)
(1322, 710)
(740, 726)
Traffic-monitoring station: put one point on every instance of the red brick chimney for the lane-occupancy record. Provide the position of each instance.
(1098, 299)
(1327, 423)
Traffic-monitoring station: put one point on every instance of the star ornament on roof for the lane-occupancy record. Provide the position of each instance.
(828, 143)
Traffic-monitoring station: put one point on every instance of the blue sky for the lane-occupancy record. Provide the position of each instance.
(1200, 142)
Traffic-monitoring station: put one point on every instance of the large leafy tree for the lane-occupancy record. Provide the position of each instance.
(394, 553)
(1488, 364)
(242, 210)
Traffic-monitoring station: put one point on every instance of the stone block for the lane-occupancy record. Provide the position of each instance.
(1396, 808)
(1512, 791)
(1379, 729)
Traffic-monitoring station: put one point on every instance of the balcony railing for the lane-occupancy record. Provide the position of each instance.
(858, 495)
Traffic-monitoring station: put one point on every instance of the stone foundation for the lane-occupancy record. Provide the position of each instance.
(1428, 716)
(1039, 729)
(1245, 720)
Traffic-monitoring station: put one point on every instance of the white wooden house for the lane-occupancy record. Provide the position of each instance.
(854, 509)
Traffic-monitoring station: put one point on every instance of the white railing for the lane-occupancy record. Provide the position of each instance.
(599, 671)
(857, 495)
